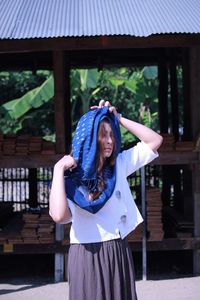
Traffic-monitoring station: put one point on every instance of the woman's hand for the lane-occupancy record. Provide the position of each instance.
(67, 162)
(103, 103)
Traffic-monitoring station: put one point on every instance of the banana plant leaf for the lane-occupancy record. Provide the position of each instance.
(32, 99)
(150, 73)
(131, 85)
(89, 78)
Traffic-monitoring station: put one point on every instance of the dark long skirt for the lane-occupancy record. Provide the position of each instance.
(101, 271)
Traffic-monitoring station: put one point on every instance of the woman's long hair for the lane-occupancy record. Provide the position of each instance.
(101, 162)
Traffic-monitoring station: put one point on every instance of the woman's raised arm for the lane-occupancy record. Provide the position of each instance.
(145, 134)
(58, 206)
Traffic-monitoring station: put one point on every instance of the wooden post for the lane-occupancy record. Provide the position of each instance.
(196, 254)
(187, 132)
(33, 195)
(174, 97)
(62, 102)
(175, 170)
(163, 93)
(164, 117)
(195, 90)
(63, 132)
(195, 119)
(59, 257)
(144, 228)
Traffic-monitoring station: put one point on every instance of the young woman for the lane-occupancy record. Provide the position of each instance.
(90, 189)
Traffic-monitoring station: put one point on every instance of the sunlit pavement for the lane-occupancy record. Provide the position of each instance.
(41, 289)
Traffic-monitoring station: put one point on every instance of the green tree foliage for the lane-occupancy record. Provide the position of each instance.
(132, 90)
(31, 111)
(84, 85)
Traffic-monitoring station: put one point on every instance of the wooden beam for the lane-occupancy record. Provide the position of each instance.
(39, 160)
(164, 245)
(29, 161)
(91, 58)
(99, 42)
(62, 103)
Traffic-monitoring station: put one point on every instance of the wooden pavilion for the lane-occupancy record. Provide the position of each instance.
(167, 50)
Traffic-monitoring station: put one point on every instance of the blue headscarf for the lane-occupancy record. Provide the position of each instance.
(84, 150)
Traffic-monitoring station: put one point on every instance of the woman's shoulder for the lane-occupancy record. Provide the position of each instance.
(124, 156)
(138, 152)
(137, 146)
(126, 151)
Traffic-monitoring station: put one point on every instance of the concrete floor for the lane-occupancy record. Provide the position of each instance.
(41, 289)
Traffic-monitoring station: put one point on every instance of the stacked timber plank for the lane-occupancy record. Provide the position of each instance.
(8, 144)
(168, 144)
(184, 146)
(66, 234)
(155, 230)
(10, 232)
(48, 147)
(28, 228)
(178, 225)
(6, 211)
(1, 144)
(24, 145)
(21, 145)
(45, 229)
(35, 144)
(38, 228)
(154, 214)
(135, 235)
(184, 229)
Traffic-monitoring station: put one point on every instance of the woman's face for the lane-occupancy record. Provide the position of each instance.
(106, 140)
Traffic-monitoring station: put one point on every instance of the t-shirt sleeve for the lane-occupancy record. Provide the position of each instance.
(137, 157)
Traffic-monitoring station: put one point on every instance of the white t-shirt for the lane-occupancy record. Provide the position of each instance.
(120, 215)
